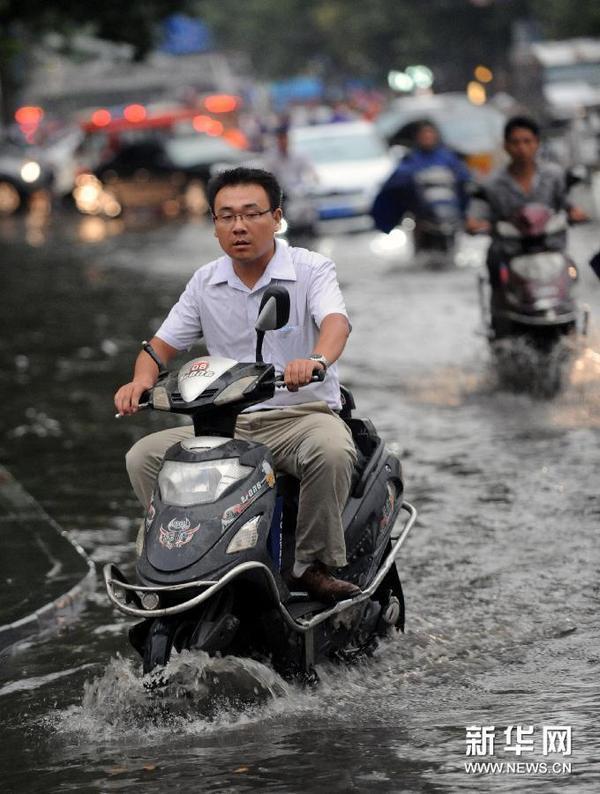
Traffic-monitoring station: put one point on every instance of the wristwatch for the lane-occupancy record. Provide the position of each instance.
(321, 359)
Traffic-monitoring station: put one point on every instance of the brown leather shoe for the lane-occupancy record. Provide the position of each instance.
(320, 584)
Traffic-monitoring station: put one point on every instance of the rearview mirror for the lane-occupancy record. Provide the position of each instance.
(274, 312)
(575, 175)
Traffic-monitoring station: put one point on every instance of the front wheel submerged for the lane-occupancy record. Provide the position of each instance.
(158, 644)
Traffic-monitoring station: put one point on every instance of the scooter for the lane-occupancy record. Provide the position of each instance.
(438, 216)
(534, 295)
(426, 202)
(218, 535)
(533, 302)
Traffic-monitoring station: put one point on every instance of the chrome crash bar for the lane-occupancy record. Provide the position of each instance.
(118, 588)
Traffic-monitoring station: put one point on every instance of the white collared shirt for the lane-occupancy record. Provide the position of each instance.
(217, 305)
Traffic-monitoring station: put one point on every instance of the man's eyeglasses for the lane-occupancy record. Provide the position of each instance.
(228, 218)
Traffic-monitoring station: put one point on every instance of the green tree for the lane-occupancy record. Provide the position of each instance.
(330, 36)
(345, 38)
(561, 19)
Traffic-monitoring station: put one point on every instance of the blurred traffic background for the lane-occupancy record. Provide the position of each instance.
(114, 115)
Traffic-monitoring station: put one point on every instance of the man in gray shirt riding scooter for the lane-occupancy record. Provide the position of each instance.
(525, 180)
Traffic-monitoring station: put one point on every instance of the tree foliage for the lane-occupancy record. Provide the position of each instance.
(132, 22)
(561, 19)
(283, 37)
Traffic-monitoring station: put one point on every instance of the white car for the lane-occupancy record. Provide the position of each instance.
(351, 162)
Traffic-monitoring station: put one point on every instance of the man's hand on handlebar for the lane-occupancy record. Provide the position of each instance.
(577, 215)
(300, 371)
(477, 226)
(127, 398)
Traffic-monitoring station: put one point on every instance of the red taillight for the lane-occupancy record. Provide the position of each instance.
(101, 117)
(29, 115)
(236, 138)
(504, 274)
(135, 113)
(220, 103)
(208, 125)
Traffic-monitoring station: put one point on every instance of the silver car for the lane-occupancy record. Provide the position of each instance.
(351, 162)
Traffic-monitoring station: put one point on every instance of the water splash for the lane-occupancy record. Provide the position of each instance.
(193, 693)
(521, 367)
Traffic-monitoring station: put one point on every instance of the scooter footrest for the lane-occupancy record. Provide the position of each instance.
(302, 608)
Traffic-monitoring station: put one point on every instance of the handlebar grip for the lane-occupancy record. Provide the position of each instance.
(143, 402)
(318, 376)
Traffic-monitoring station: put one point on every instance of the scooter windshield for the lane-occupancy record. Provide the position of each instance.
(183, 483)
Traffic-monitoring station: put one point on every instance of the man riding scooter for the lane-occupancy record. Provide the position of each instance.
(525, 180)
(430, 183)
(300, 425)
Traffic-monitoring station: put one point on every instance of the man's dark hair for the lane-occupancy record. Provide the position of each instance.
(521, 122)
(421, 124)
(245, 176)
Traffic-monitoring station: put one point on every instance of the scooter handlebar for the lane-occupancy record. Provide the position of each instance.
(318, 376)
(144, 402)
(146, 396)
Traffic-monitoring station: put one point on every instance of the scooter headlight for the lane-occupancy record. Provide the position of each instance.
(184, 483)
(544, 267)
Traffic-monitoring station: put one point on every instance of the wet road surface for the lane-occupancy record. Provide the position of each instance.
(500, 573)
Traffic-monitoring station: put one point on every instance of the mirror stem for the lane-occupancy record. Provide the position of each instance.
(260, 335)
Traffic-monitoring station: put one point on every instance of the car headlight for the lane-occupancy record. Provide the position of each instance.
(30, 171)
(183, 483)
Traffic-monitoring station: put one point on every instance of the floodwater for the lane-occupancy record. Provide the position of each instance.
(500, 572)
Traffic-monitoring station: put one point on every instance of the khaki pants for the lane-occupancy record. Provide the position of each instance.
(309, 441)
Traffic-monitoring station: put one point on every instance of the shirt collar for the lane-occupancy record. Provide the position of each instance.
(280, 266)
(509, 179)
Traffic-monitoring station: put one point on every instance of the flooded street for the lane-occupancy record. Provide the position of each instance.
(500, 571)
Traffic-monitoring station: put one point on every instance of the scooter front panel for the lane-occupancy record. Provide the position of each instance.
(190, 540)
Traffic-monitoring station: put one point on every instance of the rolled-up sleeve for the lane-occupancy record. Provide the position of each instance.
(325, 296)
(183, 325)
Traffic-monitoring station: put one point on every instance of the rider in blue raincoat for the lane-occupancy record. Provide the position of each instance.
(400, 193)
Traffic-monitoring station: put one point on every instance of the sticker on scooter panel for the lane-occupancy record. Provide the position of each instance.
(179, 532)
(251, 495)
(151, 513)
(195, 376)
(388, 507)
